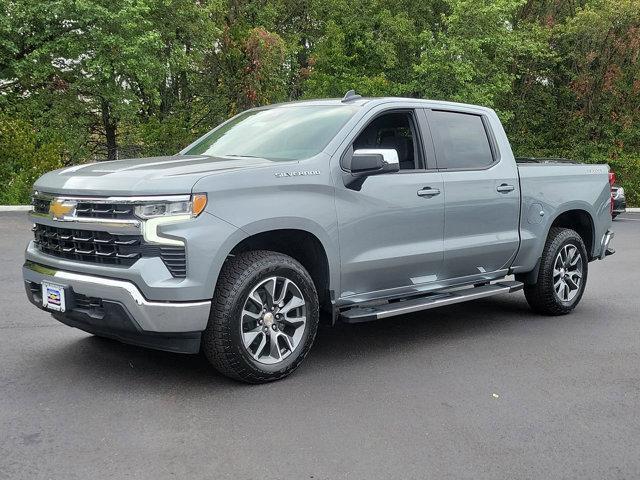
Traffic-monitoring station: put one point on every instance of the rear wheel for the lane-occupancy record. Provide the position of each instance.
(263, 319)
(562, 276)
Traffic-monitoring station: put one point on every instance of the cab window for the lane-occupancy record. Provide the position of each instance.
(460, 140)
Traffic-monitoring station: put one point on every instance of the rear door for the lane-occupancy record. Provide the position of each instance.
(482, 195)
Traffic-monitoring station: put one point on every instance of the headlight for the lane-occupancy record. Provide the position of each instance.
(620, 191)
(192, 207)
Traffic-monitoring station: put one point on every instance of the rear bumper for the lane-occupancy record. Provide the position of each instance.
(619, 206)
(116, 309)
(605, 249)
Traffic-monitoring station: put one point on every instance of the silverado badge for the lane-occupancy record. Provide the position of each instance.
(304, 173)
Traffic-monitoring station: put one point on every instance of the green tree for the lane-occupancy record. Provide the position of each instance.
(477, 53)
(23, 158)
(369, 46)
(92, 79)
(111, 63)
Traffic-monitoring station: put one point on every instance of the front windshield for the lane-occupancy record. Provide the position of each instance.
(292, 132)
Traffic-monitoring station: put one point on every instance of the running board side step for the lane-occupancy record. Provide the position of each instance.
(437, 299)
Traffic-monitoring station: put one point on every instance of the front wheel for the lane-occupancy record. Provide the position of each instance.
(562, 276)
(264, 317)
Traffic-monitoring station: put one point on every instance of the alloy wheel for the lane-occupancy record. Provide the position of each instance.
(273, 320)
(567, 273)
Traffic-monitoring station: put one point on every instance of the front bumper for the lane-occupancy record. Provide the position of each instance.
(208, 240)
(117, 309)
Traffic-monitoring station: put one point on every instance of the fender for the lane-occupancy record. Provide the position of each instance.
(532, 245)
(280, 223)
(329, 244)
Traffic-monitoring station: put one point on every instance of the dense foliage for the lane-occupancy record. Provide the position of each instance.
(84, 80)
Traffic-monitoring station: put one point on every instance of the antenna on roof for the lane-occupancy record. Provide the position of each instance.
(350, 96)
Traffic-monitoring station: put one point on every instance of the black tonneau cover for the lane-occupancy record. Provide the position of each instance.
(545, 160)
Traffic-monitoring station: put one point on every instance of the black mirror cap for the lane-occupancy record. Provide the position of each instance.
(362, 163)
(366, 163)
(372, 161)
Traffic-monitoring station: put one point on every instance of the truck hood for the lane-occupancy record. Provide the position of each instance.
(141, 176)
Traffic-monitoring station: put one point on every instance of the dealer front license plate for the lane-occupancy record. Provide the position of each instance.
(53, 296)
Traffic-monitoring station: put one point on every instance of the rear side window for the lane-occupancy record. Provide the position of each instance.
(461, 140)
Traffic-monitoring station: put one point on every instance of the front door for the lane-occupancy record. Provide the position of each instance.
(391, 230)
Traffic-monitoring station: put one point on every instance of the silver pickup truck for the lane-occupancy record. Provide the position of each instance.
(359, 208)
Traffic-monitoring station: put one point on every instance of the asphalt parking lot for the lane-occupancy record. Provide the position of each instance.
(479, 390)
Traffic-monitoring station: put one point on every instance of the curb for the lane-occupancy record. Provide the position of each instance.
(15, 208)
(633, 210)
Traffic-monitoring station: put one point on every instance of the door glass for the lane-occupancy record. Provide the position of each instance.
(393, 130)
(461, 140)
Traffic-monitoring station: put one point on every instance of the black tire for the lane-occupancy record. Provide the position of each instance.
(222, 341)
(541, 296)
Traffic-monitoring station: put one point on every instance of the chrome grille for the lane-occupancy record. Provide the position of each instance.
(87, 209)
(104, 210)
(105, 248)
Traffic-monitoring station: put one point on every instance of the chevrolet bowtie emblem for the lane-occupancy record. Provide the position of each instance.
(59, 209)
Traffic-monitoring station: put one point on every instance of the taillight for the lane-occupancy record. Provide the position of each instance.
(612, 180)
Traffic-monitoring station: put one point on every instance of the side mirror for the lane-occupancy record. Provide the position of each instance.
(374, 161)
(365, 162)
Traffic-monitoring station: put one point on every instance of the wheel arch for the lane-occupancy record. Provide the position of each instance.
(581, 221)
(576, 217)
(304, 245)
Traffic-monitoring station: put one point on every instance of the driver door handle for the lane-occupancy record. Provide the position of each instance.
(428, 192)
(504, 188)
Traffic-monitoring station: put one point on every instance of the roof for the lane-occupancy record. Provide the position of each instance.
(372, 101)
